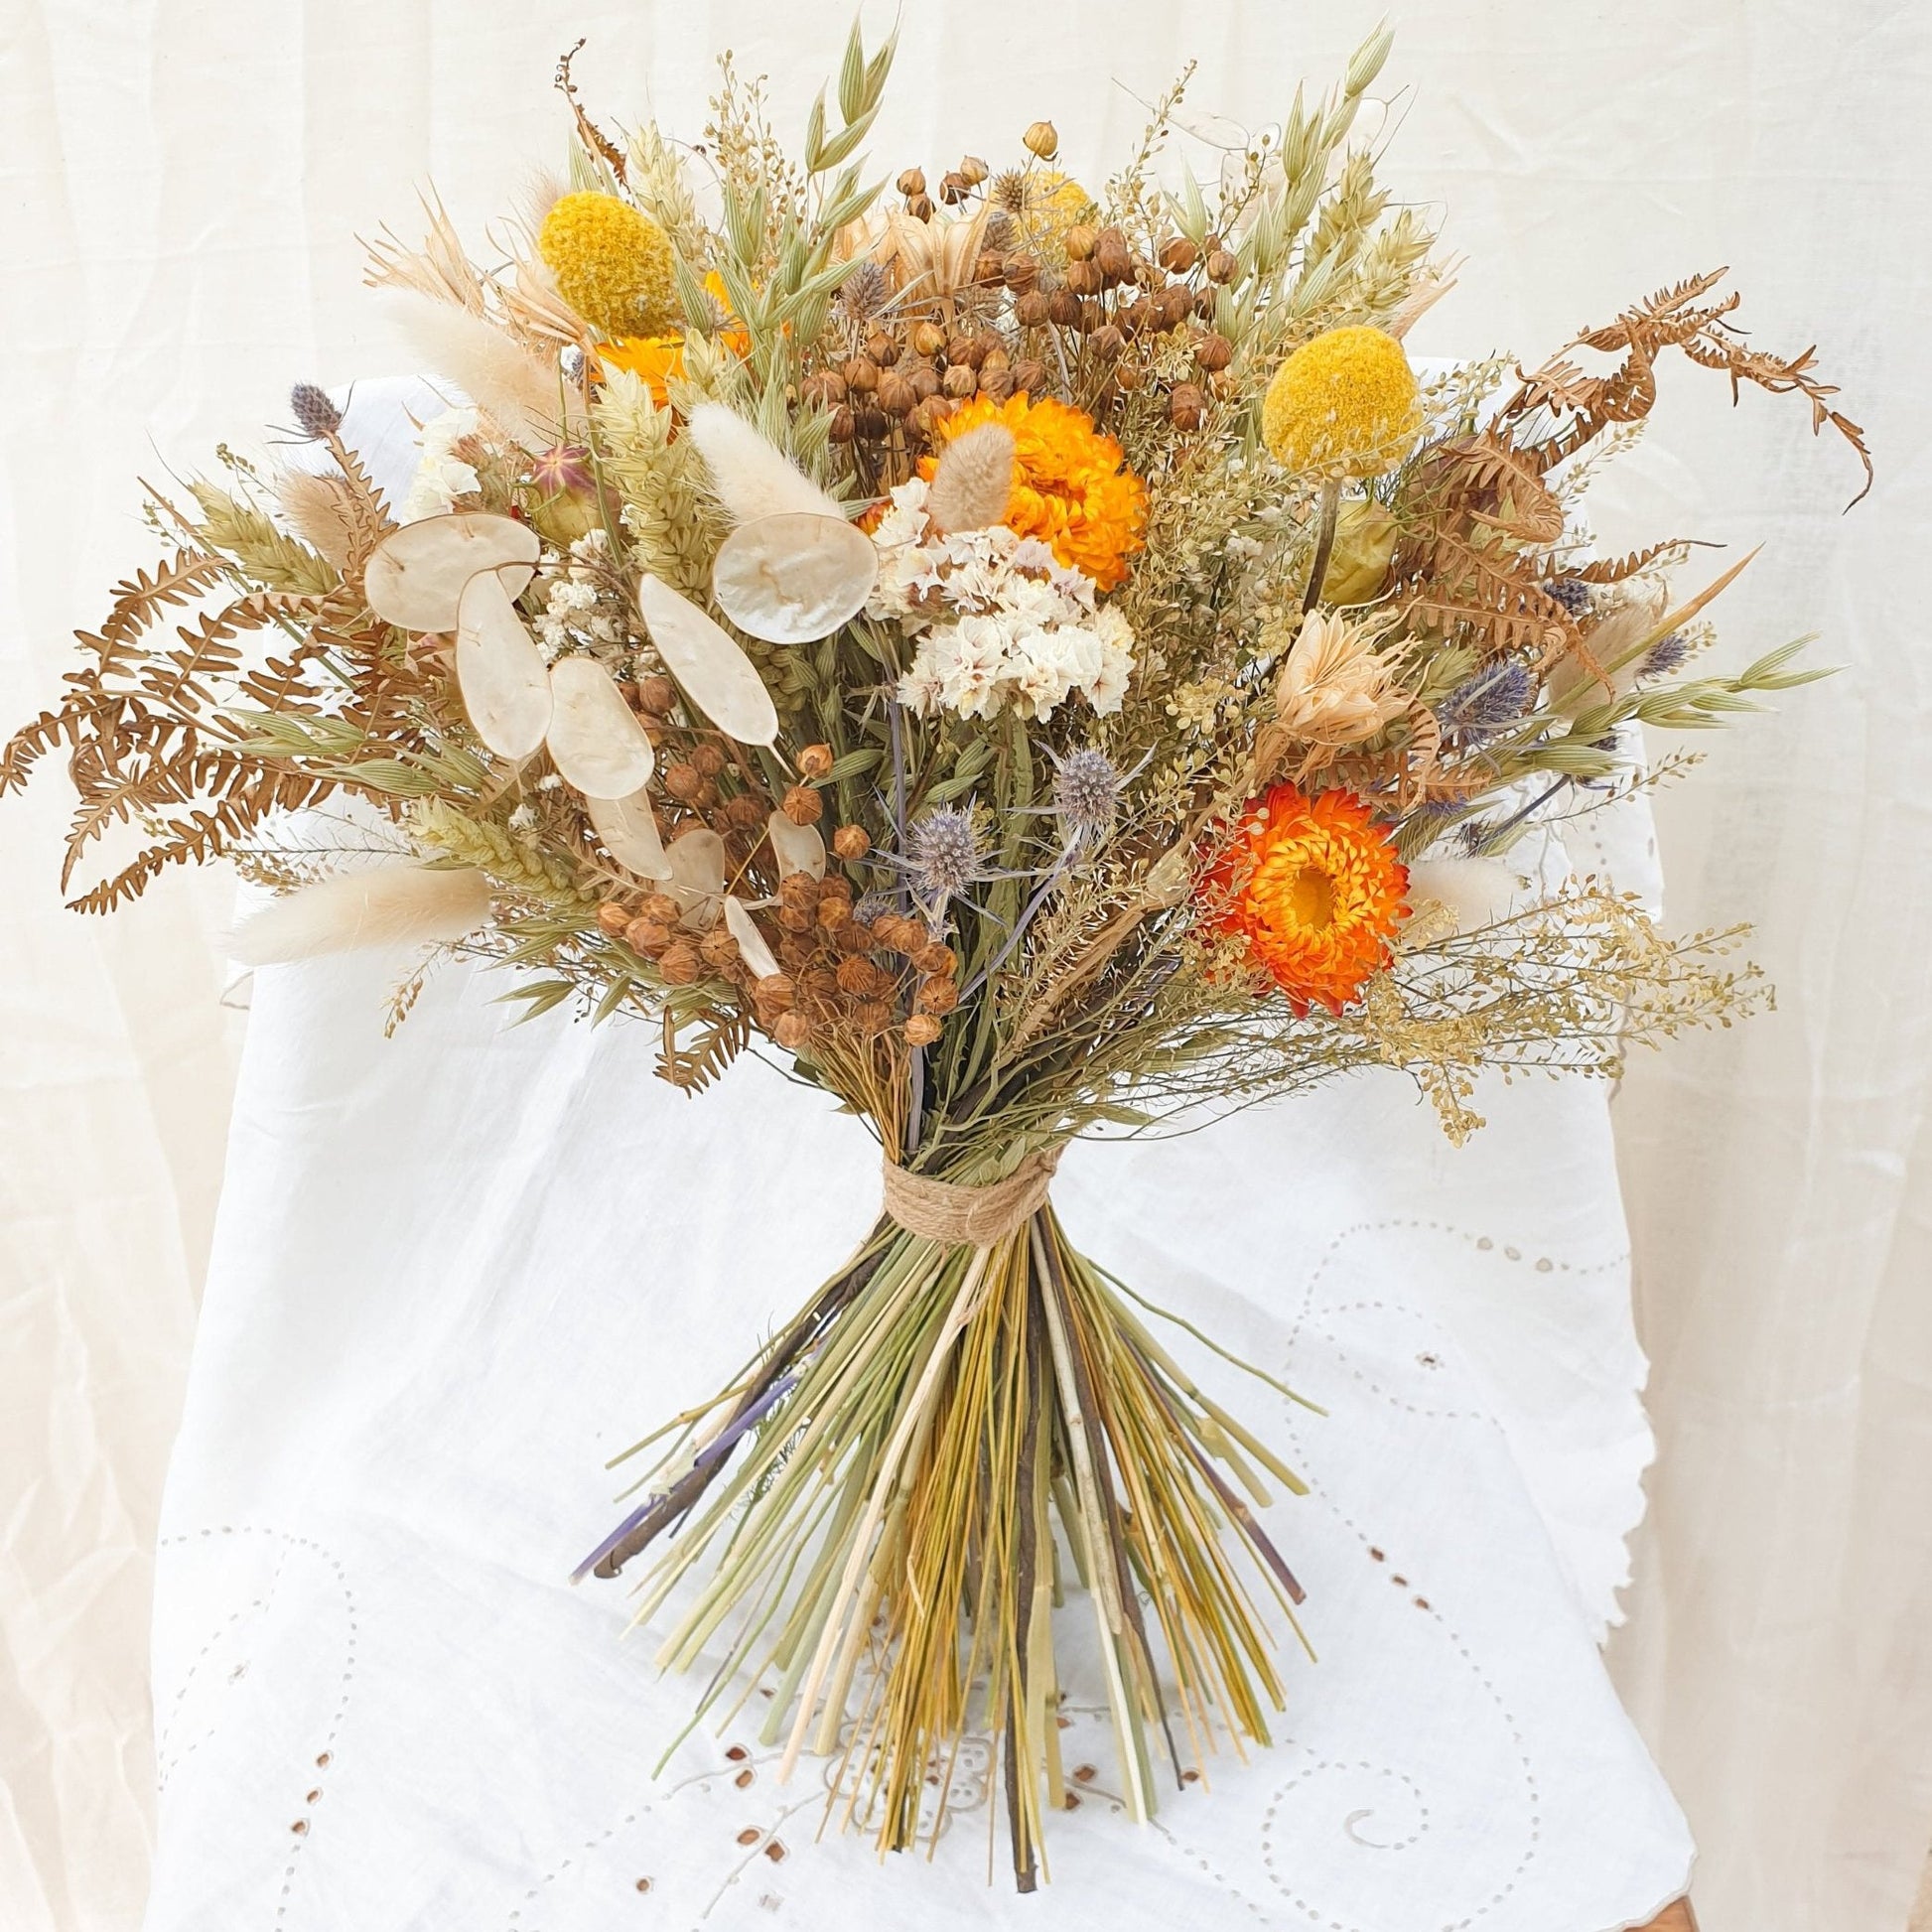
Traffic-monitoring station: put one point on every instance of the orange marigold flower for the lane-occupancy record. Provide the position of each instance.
(1316, 891)
(1071, 485)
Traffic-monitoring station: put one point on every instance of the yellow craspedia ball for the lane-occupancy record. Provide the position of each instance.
(1344, 405)
(612, 264)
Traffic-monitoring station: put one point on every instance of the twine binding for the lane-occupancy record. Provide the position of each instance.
(969, 1218)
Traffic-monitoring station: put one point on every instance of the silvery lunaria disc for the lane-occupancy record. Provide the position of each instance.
(793, 578)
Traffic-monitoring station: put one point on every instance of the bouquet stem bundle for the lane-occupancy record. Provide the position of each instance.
(884, 1544)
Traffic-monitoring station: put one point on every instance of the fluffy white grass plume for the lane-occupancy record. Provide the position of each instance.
(317, 510)
(389, 905)
(751, 475)
(973, 481)
(500, 377)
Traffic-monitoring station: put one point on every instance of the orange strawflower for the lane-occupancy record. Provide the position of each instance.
(1316, 891)
(1071, 485)
(659, 359)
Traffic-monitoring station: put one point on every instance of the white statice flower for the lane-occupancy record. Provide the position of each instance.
(994, 618)
(441, 477)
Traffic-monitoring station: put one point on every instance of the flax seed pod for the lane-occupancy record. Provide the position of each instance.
(1022, 272)
(1063, 308)
(815, 761)
(1107, 341)
(870, 425)
(1041, 139)
(718, 950)
(996, 384)
(1114, 257)
(792, 1031)
(935, 957)
(854, 935)
(612, 916)
(798, 888)
(938, 995)
(860, 375)
(872, 1019)
(657, 695)
(803, 805)
(797, 919)
(832, 911)
(844, 425)
(921, 1029)
(912, 183)
(747, 812)
(1177, 254)
(819, 988)
(1187, 406)
(1213, 352)
(825, 389)
(851, 842)
(1079, 241)
(1030, 373)
(1221, 266)
(679, 964)
(683, 781)
(857, 977)
(1083, 277)
(774, 993)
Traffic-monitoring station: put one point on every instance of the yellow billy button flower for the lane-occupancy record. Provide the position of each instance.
(1343, 407)
(612, 264)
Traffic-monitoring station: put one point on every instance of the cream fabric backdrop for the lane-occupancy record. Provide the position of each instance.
(183, 183)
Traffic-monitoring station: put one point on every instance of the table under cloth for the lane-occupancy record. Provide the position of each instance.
(455, 1269)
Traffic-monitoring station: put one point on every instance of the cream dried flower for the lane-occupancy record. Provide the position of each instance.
(1334, 688)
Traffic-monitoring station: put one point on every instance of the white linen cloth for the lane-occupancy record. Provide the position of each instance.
(458, 1269)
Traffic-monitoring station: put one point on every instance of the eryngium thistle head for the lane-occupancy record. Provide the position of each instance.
(315, 415)
(943, 853)
(1491, 701)
(864, 292)
(1572, 593)
(874, 907)
(1086, 796)
(1666, 655)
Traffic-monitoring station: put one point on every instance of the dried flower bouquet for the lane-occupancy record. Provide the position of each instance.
(1040, 662)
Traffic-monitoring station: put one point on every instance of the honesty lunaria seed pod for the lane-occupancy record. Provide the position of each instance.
(628, 828)
(499, 671)
(595, 739)
(751, 941)
(415, 576)
(715, 673)
(793, 578)
(697, 877)
(798, 849)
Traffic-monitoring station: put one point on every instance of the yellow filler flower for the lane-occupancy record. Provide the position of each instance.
(1343, 407)
(612, 264)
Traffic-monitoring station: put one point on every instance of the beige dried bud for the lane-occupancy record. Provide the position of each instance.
(965, 352)
(1063, 309)
(896, 396)
(996, 384)
(1041, 139)
(648, 936)
(657, 695)
(1177, 254)
(660, 907)
(683, 781)
(1085, 277)
(1033, 309)
(928, 339)
(1213, 352)
(747, 811)
(709, 759)
(1079, 241)
(774, 993)
(1108, 341)
(1030, 373)
(934, 956)
(612, 916)
(843, 426)
(913, 182)
(972, 170)
(851, 842)
(823, 390)
(792, 1031)
(925, 380)
(1113, 256)
(954, 188)
(921, 1029)
(862, 375)
(815, 761)
(1022, 272)
(1221, 266)
(961, 382)
(1334, 688)
(718, 950)
(919, 207)
(872, 1019)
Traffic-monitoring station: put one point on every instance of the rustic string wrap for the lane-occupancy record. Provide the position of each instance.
(969, 1218)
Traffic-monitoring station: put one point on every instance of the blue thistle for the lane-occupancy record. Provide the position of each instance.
(1490, 700)
(1086, 796)
(1666, 655)
(1571, 592)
